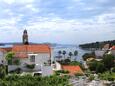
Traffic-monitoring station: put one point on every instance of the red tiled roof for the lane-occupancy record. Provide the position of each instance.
(8, 49)
(2, 50)
(112, 48)
(21, 50)
(40, 48)
(72, 69)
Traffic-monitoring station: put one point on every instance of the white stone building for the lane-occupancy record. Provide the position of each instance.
(32, 54)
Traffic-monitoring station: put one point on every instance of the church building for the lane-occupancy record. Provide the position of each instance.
(28, 53)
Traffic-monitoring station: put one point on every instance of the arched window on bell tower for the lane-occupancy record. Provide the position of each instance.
(25, 37)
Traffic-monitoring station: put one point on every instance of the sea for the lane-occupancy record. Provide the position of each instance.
(70, 48)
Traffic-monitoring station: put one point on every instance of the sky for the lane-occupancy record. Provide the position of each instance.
(57, 21)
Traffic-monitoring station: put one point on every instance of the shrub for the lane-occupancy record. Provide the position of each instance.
(113, 69)
(28, 80)
(30, 66)
(16, 62)
(88, 55)
(61, 72)
(78, 74)
(91, 77)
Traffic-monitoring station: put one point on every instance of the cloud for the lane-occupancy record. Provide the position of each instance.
(62, 21)
(17, 1)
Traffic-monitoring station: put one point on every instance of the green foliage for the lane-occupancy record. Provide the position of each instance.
(68, 62)
(70, 54)
(78, 74)
(64, 52)
(88, 55)
(28, 80)
(97, 45)
(16, 62)
(75, 63)
(30, 66)
(97, 66)
(91, 77)
(9, 56)
(107, 76)
(65, 62)
(108, 61)
(17, 71)
(2, 71)
(75, 53)
(100, 68)
(92, 65)
(59, 52)
(113, 69)
(61, 72)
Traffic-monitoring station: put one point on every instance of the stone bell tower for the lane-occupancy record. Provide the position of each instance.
(25, 37)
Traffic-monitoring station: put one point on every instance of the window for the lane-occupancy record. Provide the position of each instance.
(32, 58)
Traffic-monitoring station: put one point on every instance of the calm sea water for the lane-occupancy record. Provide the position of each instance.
(68, 49)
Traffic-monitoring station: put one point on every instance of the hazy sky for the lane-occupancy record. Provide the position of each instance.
(57, 21)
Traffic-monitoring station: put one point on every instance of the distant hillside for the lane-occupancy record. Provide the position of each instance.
(97, 45)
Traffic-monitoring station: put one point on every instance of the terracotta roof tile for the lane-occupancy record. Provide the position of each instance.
(31, 48)
(72, 69)
(37, 48)
(2, 50)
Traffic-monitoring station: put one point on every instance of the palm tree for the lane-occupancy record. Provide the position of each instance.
(75, 53)
(59, 52)
(64, 52)
(70, 54)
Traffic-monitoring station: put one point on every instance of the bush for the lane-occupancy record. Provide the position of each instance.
(108, 61)
(61, 72)
(107, 76)
(28, 80)
(100, 68)
(2, 71)
(91, 77)
(17, 71)
(30, 66)
(78, 74)
(16, 62)
(88, 55)
(97, 66)
(113, 69)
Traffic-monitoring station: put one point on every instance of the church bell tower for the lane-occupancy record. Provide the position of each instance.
(25, 37)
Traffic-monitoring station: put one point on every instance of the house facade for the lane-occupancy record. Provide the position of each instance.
(32, 54)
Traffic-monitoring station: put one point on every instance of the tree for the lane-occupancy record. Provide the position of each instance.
(9, 56)
(88, 55)
(108, 61)
(64, 52)
(93, 65)
(59, 52)
(70, 54)
(100, 68)
(75, 53)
